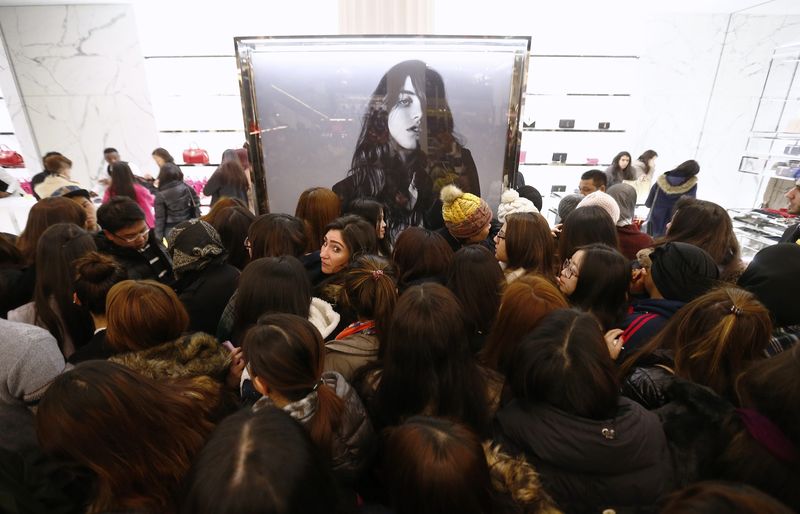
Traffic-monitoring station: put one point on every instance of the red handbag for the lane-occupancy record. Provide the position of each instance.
(195, 155)
(9, 158)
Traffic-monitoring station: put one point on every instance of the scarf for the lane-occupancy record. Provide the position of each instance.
(193, 245)
(768, 435)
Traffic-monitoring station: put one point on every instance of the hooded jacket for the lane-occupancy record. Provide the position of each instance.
(645, 319)
(663, 196)
(590, 465)
(348, 354)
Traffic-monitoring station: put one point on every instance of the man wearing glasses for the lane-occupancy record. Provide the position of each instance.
(126, 237)
(792, 234)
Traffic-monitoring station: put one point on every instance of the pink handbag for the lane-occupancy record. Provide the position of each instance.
(195, 155)
(9, 158)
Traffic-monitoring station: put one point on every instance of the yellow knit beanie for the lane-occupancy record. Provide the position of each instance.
(465, 214)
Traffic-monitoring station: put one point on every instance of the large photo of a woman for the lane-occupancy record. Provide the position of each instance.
(389, 119)
(407, 151)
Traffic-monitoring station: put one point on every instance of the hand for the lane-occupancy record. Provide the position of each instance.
(236, 369)
(614, 342)
(556, 231)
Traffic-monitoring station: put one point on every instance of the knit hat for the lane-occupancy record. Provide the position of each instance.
(774, 277)
(511, 202)
(193, 245)
(625, 196)
(29, 361)
(682, 271)
(465, 214)
(602, 199)
(568, 204)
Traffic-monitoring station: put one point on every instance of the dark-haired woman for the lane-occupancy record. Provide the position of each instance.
(175, 201)
(585, 226)
(229, 180)
(525, 245)
(596, 279)
(53, 307)
(593, 449)
(421, 255)
(275, 235)
(317, 207)
(370, 292)
(124, 184)
(137, 435)
(95, 275)
(231, 219)
(477, 281)
(620, 169)
(373, 212)
(279, 452)
(285, 356)
(644, 167)
(707, 226)
(427, 366)
(205, 280)
(668, 189)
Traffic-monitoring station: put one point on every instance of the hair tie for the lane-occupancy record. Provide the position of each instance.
(735, 310)
(378, 273)
(316, 386)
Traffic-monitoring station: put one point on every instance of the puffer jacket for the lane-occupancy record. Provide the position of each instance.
(353, 444)
(175, 202)
(348, 354)
(589, 465)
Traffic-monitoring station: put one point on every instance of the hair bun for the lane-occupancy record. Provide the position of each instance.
(96, 267)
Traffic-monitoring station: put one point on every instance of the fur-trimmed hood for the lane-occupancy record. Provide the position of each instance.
(675, 185)
(515, 481)
(188, 356)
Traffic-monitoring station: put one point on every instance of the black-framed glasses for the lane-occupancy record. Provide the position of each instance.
(144, 233)
(567, 269)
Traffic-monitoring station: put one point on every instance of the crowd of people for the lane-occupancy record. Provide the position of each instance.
(156, 360)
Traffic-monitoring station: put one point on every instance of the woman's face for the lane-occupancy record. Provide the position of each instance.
(624, 161)
(66, 171)
(159, 161)
(568, 278)
(381, 227)
(88, 208)
(500, 244)
(334, 253)
(405, 116)
(652, 162)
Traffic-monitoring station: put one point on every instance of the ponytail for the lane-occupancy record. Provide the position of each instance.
(327, 418)
(370, 289)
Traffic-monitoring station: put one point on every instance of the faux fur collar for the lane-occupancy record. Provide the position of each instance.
(680, 189)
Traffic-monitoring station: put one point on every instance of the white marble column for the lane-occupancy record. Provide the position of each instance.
(79, 75)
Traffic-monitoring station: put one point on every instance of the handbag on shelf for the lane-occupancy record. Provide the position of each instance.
(9, 158)
(195, 155)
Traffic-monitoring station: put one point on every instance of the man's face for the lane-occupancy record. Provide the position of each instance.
(133, 236)
(111, 157)
(586, 187)
(794, 200)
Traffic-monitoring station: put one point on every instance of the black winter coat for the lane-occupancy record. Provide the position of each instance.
(175, 202)
(590, 465)
(205, 294)
(135, 262)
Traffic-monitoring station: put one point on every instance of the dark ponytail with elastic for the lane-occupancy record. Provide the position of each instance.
(287, 352)
(370, 289)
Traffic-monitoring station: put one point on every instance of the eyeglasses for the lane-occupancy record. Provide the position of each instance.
(501, 235)
(568, 270)
(144, 233)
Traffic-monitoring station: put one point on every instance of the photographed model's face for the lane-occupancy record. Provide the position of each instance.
(793, 195)
(334, 253)
(405, 116)
(624, 161)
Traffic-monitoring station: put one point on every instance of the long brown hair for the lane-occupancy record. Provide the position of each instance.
(44, 213)
(137, 435)
(122, 181)
(317, 207)
(529, 244)
(232, 173)
(525, 303)
(232, 219)
(707, 226)
(142, 314)
(714, 338)
(421, 253)
(58, 247)
(288, 353)
(477, 281)
(436, 465)
(370, 289)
